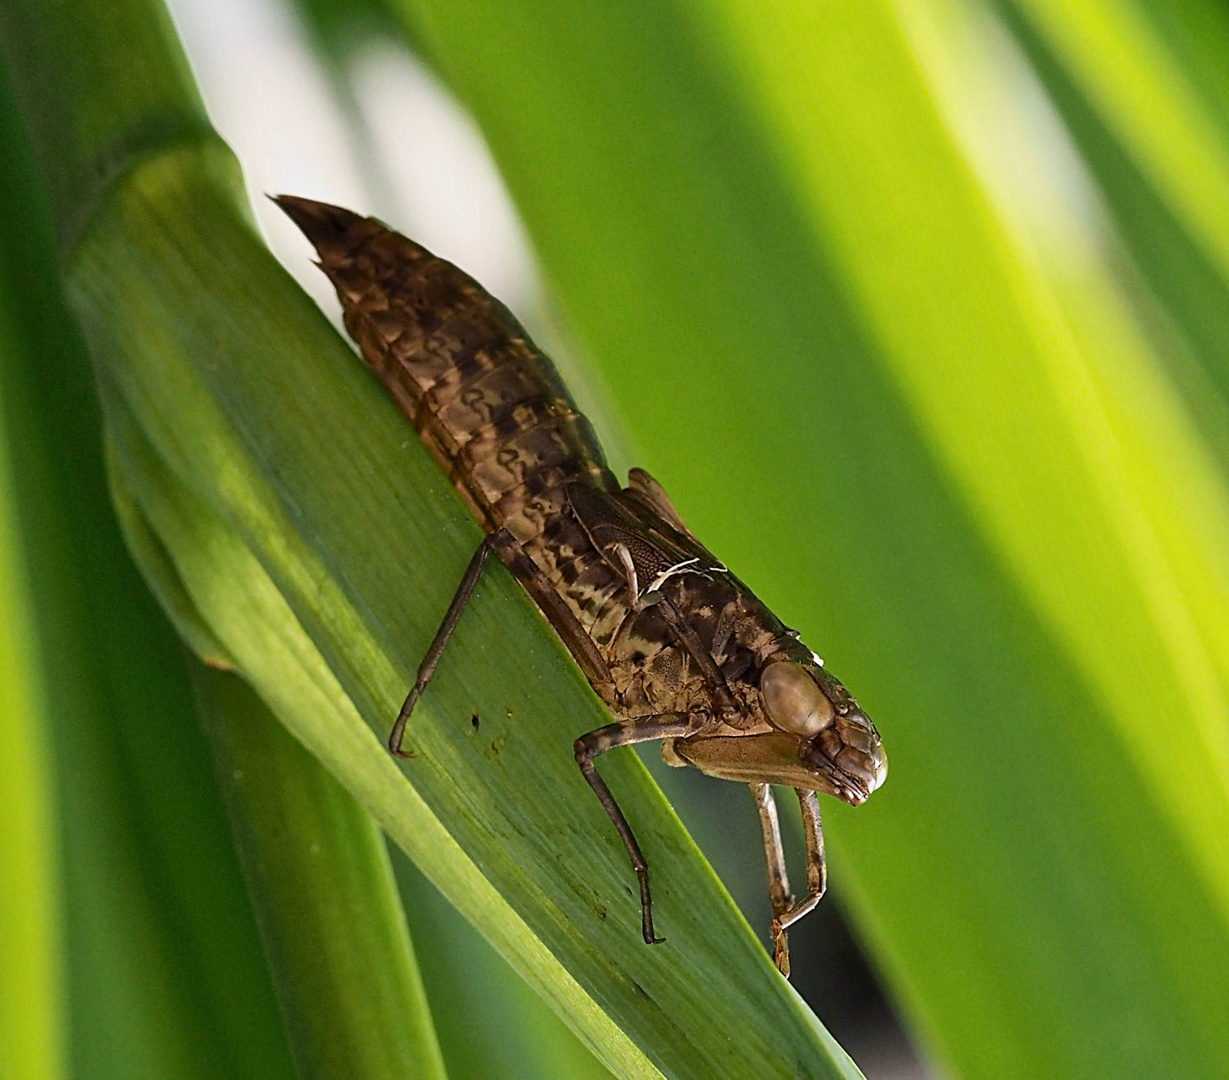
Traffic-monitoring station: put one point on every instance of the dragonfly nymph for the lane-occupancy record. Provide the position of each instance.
(674, 644)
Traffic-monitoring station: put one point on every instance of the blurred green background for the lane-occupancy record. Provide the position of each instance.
(918, 310)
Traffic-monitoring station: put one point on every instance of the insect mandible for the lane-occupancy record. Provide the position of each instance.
(674, 644)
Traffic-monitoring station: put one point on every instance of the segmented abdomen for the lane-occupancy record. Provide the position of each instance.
(488, 405)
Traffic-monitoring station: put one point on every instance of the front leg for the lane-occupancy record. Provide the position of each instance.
(817, 873)
(778, 877)
(625, 733)
(817, 870)
(785, 912)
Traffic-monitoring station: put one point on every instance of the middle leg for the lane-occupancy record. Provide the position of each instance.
(625, 733)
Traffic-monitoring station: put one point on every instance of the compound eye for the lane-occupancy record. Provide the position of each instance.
(794, 701)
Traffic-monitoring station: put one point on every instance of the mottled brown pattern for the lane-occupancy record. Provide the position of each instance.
(672, 641)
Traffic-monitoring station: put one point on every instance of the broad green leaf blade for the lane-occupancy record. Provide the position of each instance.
(161, 966)
(279, 490)
(1001, 530)
(253, 617)
(325, 898)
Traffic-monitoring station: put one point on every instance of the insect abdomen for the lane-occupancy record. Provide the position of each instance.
(488, 405)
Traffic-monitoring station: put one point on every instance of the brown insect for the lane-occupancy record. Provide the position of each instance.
(676, 646)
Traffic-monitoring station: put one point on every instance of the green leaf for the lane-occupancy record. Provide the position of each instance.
(936, 435)
(324, 894)
(489, 1021)
(150, 961)
(291, 526)
(1155, 73)
(970, 482)
(32, 1020)
(1168, 257)
(317, 540)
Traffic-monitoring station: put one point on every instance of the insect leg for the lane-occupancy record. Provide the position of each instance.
(817, 870)
(624, 733)
(426, 669)
(778, 878)
(817, 874)
(534, 582)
